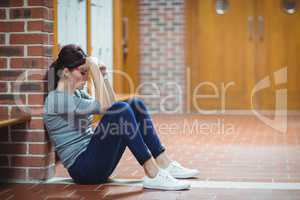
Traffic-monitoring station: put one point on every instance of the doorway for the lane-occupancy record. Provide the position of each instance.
(232, 45)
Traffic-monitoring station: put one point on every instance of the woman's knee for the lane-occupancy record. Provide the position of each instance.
(119, 107)
(136, 102)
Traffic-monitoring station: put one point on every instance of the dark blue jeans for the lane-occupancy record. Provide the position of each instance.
(125, 124)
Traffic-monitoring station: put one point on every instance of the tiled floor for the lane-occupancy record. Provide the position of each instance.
(52, 192)
(224, 148)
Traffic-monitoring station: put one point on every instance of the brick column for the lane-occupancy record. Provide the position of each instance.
(26, 38)
(162, 61)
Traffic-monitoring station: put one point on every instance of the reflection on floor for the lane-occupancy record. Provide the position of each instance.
(239, 158)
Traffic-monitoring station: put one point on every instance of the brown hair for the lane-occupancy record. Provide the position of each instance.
(70, 56)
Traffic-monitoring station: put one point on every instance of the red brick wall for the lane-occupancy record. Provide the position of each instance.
(162, 54)
(26, 38)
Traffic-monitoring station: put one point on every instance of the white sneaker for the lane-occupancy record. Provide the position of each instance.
(178, 171)
(164, 181)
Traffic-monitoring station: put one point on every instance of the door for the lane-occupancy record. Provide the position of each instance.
(220, 54)
(278, 46)
(229, 52)
(130, 44)
(102, 33)
(71, 23)
(126, 45)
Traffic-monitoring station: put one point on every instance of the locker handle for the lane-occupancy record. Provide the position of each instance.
(250, 28)
(261, 27)
(125, 36)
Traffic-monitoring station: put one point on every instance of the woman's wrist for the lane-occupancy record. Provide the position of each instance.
(105, 77)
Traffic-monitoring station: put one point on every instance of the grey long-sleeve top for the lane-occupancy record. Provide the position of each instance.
(68, 119)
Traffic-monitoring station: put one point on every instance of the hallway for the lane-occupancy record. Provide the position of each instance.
(237, 155)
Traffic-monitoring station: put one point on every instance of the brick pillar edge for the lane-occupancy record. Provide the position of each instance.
(26, 39)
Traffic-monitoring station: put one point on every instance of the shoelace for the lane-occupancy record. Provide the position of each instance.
(176, 166)
(168, 178)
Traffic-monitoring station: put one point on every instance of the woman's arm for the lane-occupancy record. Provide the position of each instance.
(110, 90)
(101, 93)
(61, 103)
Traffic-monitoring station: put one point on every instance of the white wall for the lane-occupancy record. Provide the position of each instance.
(72, 23)
(102, 32)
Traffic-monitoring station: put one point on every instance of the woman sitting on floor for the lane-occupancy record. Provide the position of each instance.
(91, 155)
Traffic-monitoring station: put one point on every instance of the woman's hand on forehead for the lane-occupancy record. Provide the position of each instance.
(93, 62)
(103, 68)
(84, 67)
